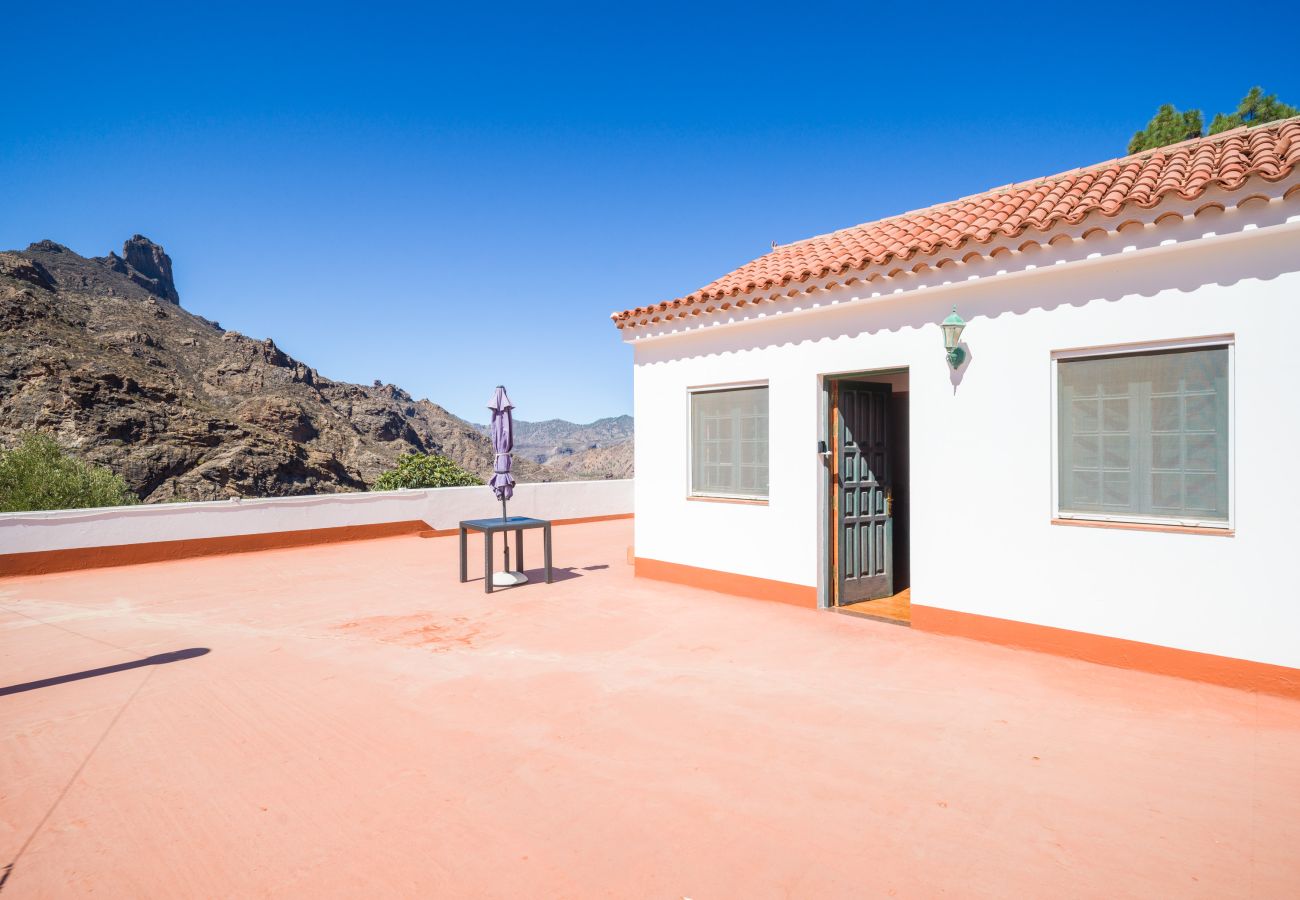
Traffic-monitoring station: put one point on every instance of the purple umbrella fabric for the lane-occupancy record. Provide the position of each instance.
(503, 441)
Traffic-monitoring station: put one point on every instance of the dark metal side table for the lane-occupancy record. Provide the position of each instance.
(489, 527)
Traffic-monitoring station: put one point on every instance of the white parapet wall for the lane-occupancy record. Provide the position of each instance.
(440, 508)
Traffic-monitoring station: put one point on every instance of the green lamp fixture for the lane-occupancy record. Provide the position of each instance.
(952, 328)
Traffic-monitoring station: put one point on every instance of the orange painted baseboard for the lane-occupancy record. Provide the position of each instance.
(44, 562)
(1109, 651)
(727, 582)
(583, 520)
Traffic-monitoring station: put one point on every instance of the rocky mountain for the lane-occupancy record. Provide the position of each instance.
(100, 353)
(558, 432)
(612, 461)
(572, 447)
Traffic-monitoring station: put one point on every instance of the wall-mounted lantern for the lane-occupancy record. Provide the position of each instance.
(952, 328)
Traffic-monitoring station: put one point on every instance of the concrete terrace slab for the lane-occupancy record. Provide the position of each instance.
(365, 725)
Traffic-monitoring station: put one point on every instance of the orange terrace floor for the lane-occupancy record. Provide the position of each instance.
(362, 724)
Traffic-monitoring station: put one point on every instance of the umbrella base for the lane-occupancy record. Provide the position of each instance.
(508, 579)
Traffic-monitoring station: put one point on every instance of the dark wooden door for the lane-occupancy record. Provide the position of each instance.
(863, 507)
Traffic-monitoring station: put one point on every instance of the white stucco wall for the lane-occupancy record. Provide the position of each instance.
(440, 508)
(981, 459)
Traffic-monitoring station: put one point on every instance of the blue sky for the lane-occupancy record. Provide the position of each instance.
(373, 186)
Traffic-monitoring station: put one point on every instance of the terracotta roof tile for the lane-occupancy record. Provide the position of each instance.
(1186, 171)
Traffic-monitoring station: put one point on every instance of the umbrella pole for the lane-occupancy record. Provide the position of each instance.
(505, 543)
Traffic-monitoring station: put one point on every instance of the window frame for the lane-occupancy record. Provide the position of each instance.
(691, 492)
(1227, 341)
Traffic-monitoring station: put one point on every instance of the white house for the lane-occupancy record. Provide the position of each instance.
(1106, 465)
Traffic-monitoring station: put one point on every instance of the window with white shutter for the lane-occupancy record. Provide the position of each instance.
(1145, 436)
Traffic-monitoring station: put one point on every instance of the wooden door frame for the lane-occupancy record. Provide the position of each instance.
(828, 509)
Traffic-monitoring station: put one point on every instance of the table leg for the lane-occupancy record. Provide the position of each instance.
(487, 562)
(464, 562)
(546, 540)
(519, 549)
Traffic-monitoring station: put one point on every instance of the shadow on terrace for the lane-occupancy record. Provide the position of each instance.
(158, 660)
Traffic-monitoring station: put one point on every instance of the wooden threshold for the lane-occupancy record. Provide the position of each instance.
(897, 610)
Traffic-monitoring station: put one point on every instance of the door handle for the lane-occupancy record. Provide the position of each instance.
(889, 503)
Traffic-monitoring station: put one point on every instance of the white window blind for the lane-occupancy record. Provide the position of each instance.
(1145, 435)
(729, 443)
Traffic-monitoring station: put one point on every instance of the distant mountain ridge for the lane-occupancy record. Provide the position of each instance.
(99, 353)
(577, 448)
(610, 430)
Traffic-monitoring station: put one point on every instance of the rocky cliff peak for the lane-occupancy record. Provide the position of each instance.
(150, 267)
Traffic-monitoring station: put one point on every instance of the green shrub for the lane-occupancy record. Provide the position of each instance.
(417, 470)
(37, 474)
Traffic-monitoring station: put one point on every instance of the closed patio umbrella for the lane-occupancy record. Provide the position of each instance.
(502, 482)
(503, 441)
